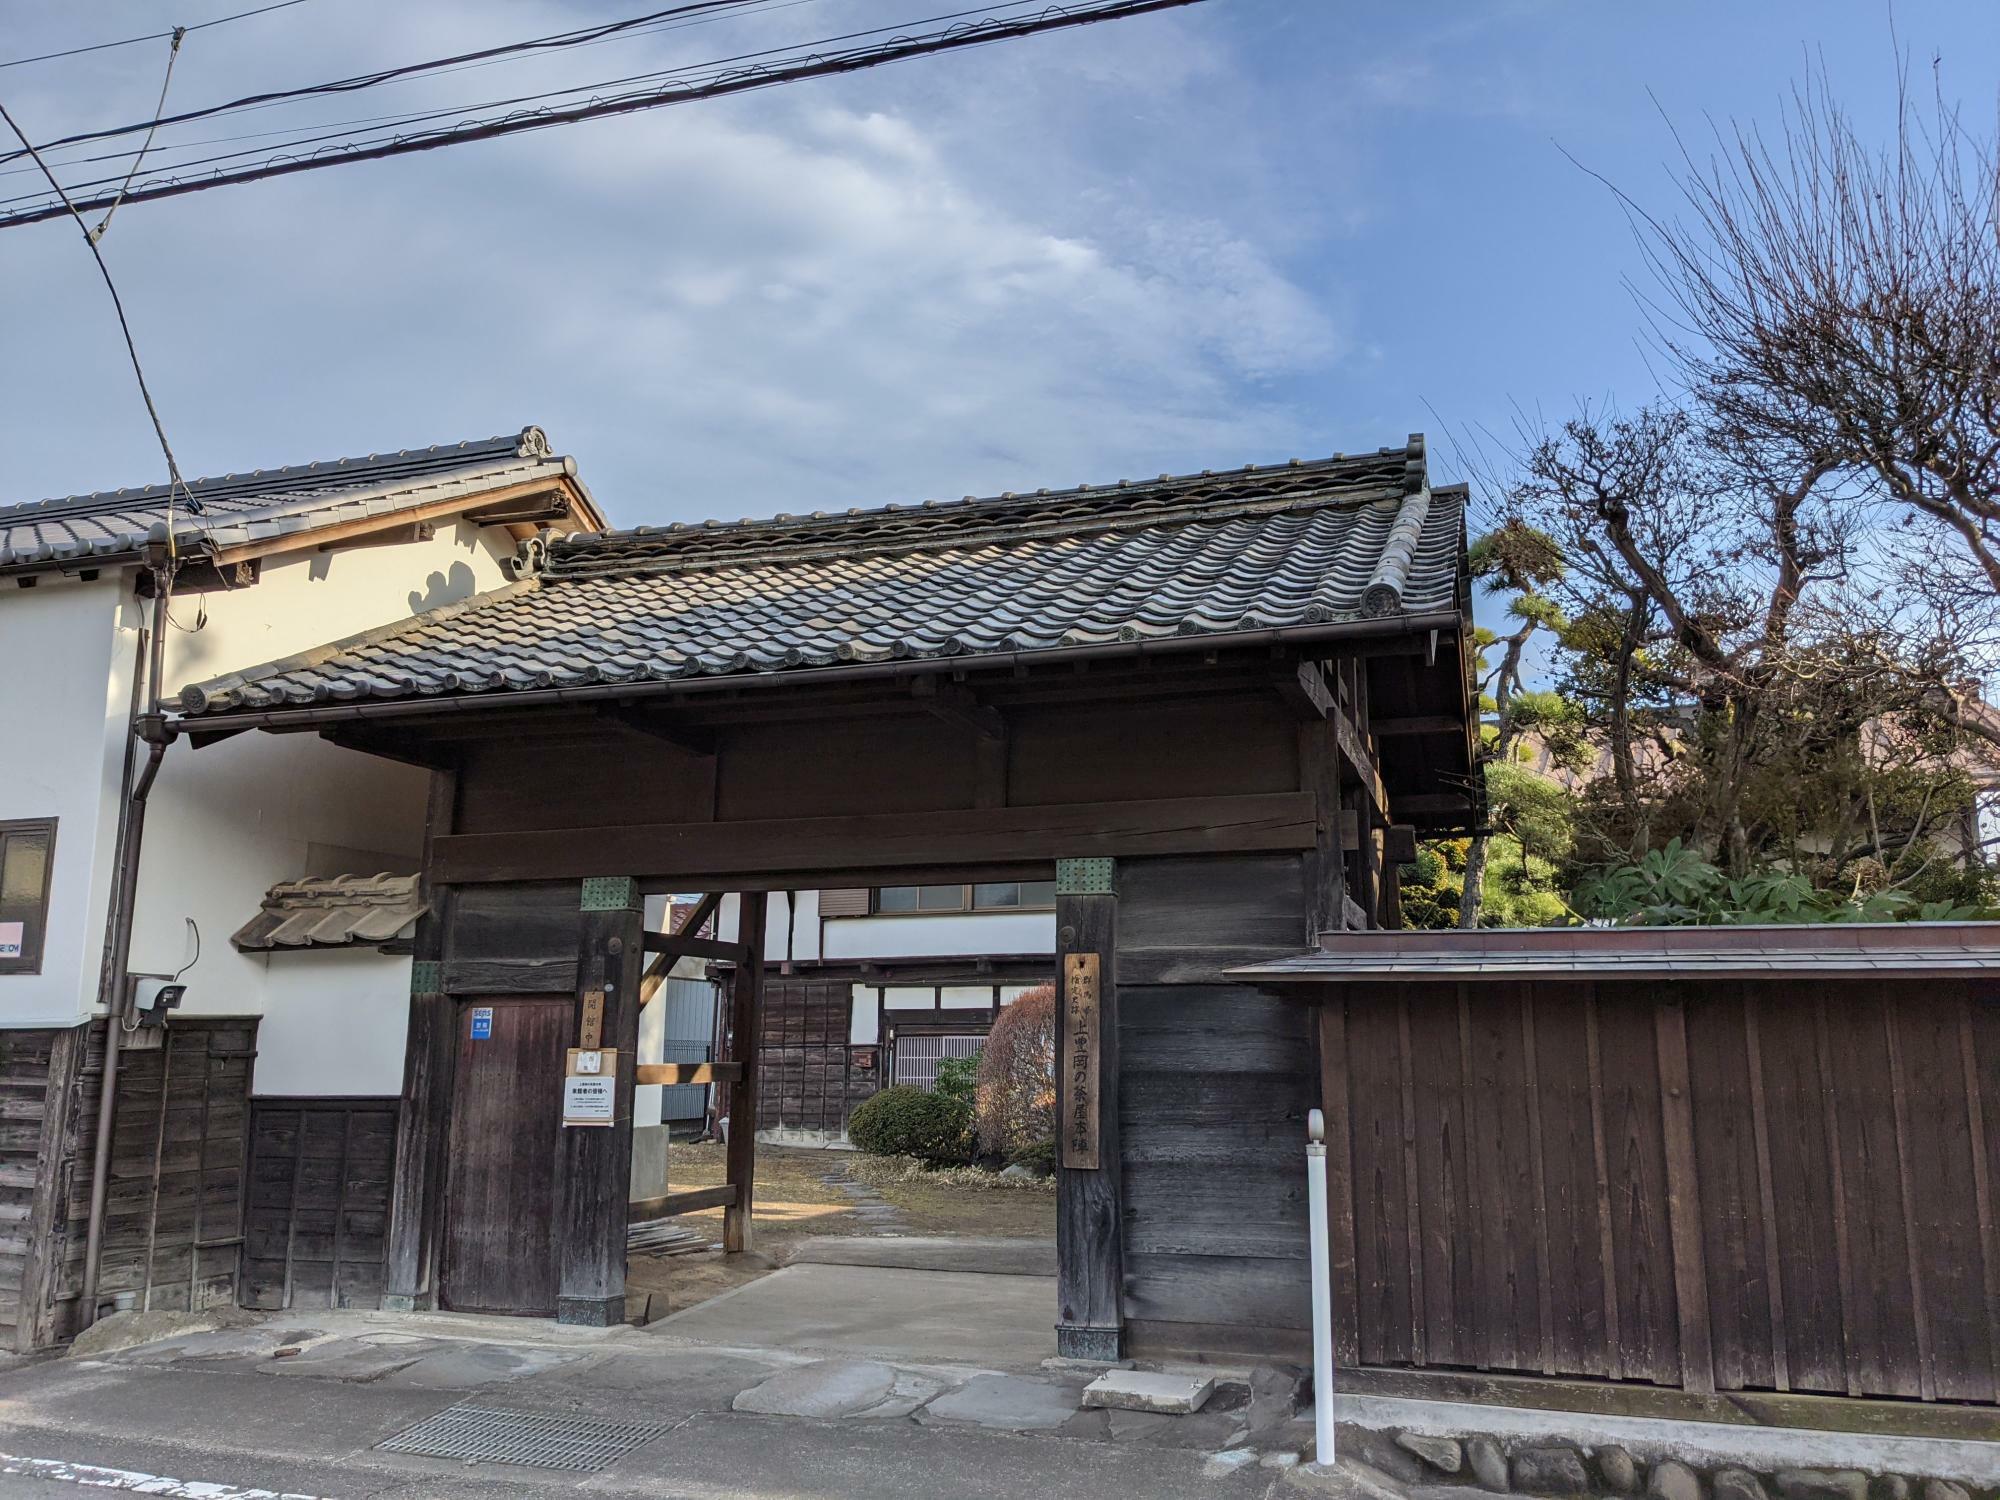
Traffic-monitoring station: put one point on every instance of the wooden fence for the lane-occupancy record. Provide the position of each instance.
(1729, 1184)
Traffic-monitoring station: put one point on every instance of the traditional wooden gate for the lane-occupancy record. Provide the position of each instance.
(1739, 1179)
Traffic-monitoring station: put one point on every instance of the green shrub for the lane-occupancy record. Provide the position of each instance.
(958, 1078)
(908, 1121)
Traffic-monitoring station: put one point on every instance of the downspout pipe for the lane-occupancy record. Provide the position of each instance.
(115, 995)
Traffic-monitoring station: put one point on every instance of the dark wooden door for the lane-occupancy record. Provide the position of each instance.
(506, 1138)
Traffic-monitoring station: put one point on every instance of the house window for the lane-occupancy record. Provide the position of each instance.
(26, 850)
(1010, 895)
(1006, 895)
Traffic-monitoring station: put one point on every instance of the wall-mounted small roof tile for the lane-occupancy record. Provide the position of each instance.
(332, 912)
(1328, 541)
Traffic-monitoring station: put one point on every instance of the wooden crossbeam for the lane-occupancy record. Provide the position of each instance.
(691, 1202)
(656, 971)
(676, 1073)
(671, 945)
(954, 839)
(1360, 764)
(1419, 724)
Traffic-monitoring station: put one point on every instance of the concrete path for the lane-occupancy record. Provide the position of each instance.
(298, 1405)
(999, 1322)
(992, 1255)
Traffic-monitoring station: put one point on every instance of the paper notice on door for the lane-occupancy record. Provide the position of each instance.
(589, 1101)
(13, 938)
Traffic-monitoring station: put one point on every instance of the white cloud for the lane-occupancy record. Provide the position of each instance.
(819, 296)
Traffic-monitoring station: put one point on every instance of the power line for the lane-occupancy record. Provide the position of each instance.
(151, 36)
(555, 41)
(720, 84)
(173, 52)
(340, 130)
(174, 480)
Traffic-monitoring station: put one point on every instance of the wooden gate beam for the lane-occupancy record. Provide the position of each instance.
(746, 1036)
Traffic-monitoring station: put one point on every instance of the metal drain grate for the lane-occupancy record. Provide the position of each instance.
(479, 1434)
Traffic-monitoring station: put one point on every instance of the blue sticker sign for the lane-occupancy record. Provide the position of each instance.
(482, 1022)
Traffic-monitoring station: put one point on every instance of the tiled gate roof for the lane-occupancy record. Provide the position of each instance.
(1301, 543)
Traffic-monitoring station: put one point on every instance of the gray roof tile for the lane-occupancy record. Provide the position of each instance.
(332, 912)
(1256, 548)
(241, 508)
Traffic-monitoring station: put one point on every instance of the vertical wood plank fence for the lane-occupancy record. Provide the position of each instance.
(1720, 1184)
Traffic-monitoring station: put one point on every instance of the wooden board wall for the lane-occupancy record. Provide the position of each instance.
(808, 1080)
(1736, 1185)
(42, 1096)
(1215, 1084)
(173, 1229)
(319, 1202)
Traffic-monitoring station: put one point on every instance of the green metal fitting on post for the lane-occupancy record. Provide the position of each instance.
(426, 977)
(1085, 877)
(611, 893)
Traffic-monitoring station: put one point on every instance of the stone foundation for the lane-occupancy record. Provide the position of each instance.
(1541, 1466)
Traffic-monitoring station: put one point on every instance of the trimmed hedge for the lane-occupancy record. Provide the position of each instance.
(908, 1121)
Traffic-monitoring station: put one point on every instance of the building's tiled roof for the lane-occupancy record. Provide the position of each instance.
(332, 912)
(237, 509)
(1295, 544)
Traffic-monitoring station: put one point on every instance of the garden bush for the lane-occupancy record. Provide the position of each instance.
(958, 1079)
(1017, 1081)
(908, 1121)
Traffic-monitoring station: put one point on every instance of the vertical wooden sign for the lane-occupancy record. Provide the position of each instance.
(1079, 1062)
(591, 1032)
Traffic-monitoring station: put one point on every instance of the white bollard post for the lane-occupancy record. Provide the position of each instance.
(1322, 1280)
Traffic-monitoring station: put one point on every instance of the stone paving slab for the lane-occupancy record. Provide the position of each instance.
(1008, 1403)
(1150, 1390)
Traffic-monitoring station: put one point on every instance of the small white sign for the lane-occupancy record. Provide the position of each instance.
(589, 1101)
(13, 937)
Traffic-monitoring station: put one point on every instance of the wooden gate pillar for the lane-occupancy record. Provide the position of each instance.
(746, 1047)
(596, 1172)
(1090, 1245)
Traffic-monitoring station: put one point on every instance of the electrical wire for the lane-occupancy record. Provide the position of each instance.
(684, 72)
(174, 480)
(337, 127)
(359, 81)
(151, 36)
(173, 51)
(717, 82)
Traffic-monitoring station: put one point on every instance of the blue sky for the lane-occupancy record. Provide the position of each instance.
(1236, 233)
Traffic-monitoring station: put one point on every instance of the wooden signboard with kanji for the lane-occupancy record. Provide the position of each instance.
(1079, 1062)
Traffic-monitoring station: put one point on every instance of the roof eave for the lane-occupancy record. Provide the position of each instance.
(303, 716)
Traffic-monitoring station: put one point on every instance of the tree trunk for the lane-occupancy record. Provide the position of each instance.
(1474, 894)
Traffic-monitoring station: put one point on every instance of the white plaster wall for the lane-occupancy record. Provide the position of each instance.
(930, 935)
(941, 936)
(336, 1024)
(63, 700)
(226, 822)
(230, 820)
